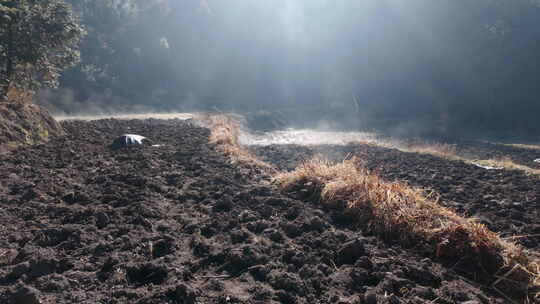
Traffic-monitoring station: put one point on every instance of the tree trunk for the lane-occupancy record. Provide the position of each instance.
(9, 63)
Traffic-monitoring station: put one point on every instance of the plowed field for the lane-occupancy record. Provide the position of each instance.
(178, 223)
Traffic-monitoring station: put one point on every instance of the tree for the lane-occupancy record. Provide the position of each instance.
(39, 38)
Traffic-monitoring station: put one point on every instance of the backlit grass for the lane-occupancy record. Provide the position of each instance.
(397, 211)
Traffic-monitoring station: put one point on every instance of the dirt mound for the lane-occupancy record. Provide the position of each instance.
(179, 223)
(23, 123)
(506, 201)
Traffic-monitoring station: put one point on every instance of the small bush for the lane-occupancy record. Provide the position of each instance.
(225, 131)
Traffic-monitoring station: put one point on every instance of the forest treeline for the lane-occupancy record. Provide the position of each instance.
(451, 66)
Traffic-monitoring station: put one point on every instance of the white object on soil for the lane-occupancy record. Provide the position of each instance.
(127, 140)
(133, 139)
(537, 160)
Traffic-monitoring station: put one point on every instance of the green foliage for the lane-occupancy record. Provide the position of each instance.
(39, 38)
(104, 21)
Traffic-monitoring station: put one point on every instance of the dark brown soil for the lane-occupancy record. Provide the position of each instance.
(506, 201)
(81, 223)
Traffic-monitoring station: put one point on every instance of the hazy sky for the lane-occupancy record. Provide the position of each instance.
(396, 57)
(295, 51)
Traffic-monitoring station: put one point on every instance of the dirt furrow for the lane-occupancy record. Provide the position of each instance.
(506, 201)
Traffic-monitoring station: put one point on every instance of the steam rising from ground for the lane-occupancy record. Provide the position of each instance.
(304, 137)
(314, 137)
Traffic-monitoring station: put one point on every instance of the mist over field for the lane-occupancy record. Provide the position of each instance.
(269, 151)
(418, 67)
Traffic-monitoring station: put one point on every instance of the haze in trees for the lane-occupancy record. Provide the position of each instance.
(407, 67)
(39, 40)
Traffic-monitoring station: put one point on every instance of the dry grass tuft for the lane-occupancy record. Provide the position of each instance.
(524, 146)
(450, 152)
(225, 131)
(15, 94)
(443, 150)
(438, 149)
(396, 211)
(375, 143)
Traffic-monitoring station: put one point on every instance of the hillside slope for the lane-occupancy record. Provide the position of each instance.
(25, 123)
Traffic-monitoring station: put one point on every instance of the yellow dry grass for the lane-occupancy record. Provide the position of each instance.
(15, 94)
(395, 210)
(507, 163)
(438, 149)
(448, 151)
(225, 131)
(524, 146)
(443, 150)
